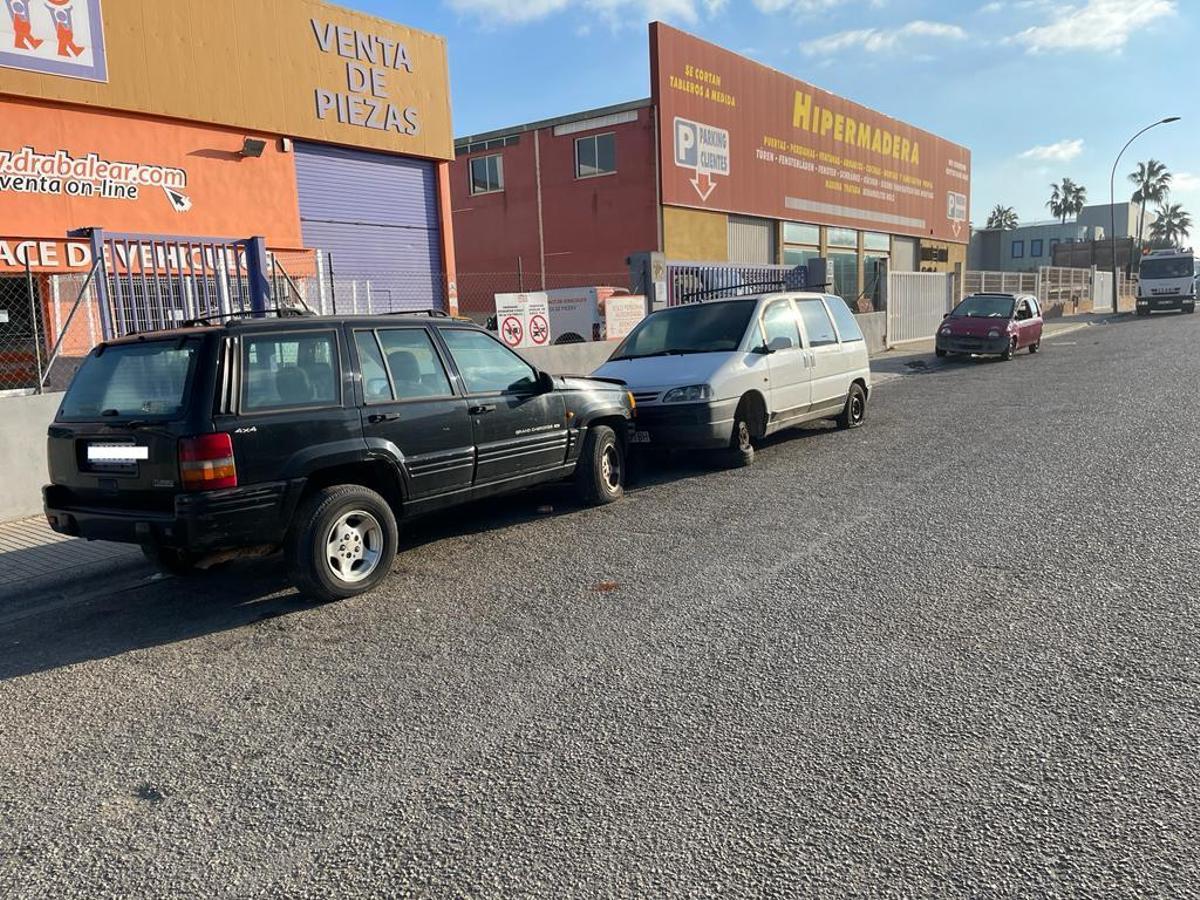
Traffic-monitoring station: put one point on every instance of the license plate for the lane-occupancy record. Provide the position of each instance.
(640, 437)
(117, 454)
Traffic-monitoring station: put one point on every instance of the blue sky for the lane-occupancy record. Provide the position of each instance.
(1037, 89)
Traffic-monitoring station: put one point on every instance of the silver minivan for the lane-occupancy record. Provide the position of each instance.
(721, 374)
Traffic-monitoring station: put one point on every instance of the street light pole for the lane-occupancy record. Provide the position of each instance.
(1112, 204)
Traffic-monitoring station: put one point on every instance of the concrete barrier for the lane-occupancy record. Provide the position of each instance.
(23, 424)
(571, 359)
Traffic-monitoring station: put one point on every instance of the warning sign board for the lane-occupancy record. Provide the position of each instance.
(512, 332)
(523, 320)
(539, 330)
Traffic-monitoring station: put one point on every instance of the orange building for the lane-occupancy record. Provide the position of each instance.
(324, 131)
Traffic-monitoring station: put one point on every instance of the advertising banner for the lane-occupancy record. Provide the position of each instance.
(62, 169)
(301, 68)
(740, 137)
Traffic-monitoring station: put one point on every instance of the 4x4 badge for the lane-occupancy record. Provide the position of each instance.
(253, 429)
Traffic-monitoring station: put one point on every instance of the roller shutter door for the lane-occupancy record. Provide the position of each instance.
(376, 218)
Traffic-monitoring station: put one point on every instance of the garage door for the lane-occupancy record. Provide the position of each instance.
(375, 216)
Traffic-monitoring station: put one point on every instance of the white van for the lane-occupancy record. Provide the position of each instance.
(722, 374)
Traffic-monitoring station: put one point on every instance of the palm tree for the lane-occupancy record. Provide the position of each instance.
(1067, 199)
(1055, 203)
(1003, 218)
(1172, 226)
(1153, 186)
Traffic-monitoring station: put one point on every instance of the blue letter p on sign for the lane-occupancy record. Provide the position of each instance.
(687, 154)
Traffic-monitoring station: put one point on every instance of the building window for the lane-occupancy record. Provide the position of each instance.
(595, 155)
(845, 276)
(1018, 249)
(1035, 249)
(879, 243)
(1053, 244)
(842, 237)
(795, 233)
(487, 174)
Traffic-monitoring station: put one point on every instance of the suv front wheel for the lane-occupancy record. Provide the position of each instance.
(600, 474)
(343, 543)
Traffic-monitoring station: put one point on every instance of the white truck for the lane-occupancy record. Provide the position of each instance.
(1169, 279)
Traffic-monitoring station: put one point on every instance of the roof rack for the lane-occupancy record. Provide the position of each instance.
(746, 289)
(281, 312)
(431, 313)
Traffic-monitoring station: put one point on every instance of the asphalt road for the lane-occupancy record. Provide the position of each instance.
(951, 654)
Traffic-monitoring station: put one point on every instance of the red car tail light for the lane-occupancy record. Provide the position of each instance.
(206, 462)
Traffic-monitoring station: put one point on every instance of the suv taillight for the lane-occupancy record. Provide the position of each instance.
(206, 462)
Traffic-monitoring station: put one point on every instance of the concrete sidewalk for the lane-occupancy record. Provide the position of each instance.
(34, 558)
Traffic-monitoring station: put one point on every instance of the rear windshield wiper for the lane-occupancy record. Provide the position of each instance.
(132, 423)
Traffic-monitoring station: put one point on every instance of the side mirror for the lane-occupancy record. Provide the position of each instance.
(545, 382)
(780, 343)
(946, 316)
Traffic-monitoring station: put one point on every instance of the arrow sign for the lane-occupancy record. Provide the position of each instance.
(179, 202)
(704, 185)
(957, 228)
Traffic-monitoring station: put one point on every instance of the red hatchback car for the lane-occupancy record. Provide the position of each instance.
(992, 325)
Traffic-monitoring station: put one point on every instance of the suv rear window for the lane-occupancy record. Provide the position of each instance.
(133, 381)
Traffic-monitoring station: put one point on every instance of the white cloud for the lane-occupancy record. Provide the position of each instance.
(882, 40)
(993, 7)
(1185, 182)
(508, 12)
(1096, 25)
(1062, 151)
(798, 6)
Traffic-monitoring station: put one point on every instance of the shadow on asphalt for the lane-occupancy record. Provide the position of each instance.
(129, 608)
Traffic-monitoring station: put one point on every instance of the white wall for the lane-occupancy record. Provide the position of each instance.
(23, 424)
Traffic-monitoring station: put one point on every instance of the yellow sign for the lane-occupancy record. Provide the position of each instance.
(297, 68)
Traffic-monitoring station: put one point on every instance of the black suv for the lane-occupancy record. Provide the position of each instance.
(315, 435)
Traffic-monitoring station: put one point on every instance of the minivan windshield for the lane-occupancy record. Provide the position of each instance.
(1177, 267)
(983, 307)
(696, 328)
(144, 380)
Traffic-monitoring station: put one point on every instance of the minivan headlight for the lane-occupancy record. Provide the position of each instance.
(994, 333)
(946, 332)
(691, 394)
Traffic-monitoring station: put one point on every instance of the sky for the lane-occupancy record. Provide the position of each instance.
(1038, 90)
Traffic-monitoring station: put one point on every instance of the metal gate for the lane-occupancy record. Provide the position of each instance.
(147, 282)
(1102, 292)
(916, 304)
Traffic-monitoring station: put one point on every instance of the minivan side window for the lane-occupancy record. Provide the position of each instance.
(779, 321)
(847, 323)
(289, 371)
(817, 323)
(486, 365)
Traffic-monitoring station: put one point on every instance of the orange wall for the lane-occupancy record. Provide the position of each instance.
(229, 196)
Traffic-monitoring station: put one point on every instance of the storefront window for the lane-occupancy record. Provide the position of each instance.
(842, 237)
(845, 276)
(874, 272)
(878, 242)
(799, 256)
(795, 233)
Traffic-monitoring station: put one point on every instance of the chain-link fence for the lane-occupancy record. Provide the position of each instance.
(50, 321)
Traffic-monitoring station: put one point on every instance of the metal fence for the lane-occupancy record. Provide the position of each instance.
(916, 304)
(689, 282)
(1060, 290)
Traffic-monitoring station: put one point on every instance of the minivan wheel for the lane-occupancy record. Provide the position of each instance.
(1034, 348)
(1189, 308)
(1011, 351)
(855, 412)
(343, 543)
(741, 444)
(600, 475)
(170, 561)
